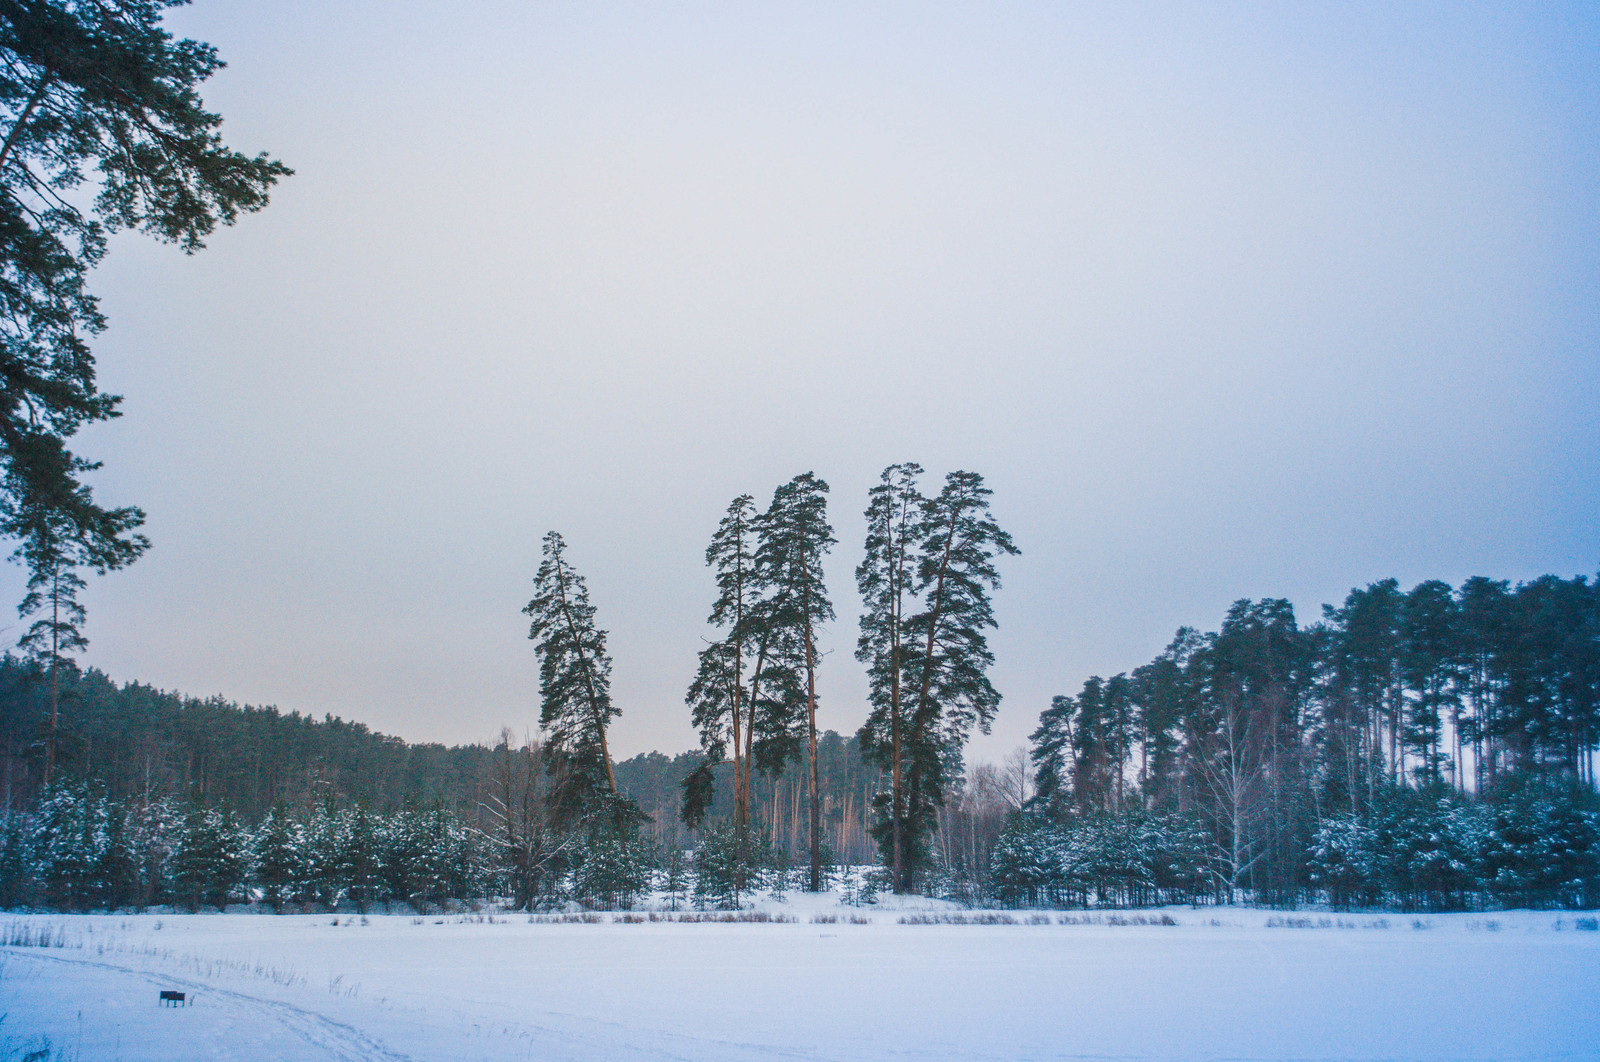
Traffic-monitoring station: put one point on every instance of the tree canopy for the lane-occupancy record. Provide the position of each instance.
(102, 128)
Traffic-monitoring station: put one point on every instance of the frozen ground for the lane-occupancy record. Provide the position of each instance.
(1220, 984)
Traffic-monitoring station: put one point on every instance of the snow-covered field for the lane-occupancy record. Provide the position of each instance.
(1224, 983)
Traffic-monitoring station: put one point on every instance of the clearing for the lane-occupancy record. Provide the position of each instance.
(1220, 983)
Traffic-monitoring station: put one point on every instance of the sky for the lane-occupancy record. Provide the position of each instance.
(1223, 301)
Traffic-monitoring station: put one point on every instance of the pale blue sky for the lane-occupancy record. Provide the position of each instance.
(1224, 301)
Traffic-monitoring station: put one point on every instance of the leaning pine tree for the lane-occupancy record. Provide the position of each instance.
(946, 672)
(885, 578)
(794, 536)
(574, 688)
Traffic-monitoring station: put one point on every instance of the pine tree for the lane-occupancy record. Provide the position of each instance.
(1428, 664)
(674, 875)
(53, 559)
(1096, 755)
(358, 857)
(465, 860)
(1163, 693)
(721, 873)
(212, 859)
(613, 867)
(574, 686)
(1052, 753)
(280, 858)
(155, 829)
(1247, 741)
(323, 882)
(415, 852)
(723, 705)
(104, 129)
(885, 579)
(19, 875)
(438, 852)
(116, 872)
(957, 542)
(1369, 645)
(399, 853)
(748, 680)
(67, 843)
(794, 537)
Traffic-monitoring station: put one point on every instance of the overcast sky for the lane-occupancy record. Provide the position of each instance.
(1224, 302)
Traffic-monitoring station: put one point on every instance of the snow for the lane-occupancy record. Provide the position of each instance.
(1222, 983)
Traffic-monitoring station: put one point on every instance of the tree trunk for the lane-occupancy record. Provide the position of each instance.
(897, 807)
(919, 720)
(55, 675)
(897, 789)
(22, 119)
(811, 726)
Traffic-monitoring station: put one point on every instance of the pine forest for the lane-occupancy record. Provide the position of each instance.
(1423, 748)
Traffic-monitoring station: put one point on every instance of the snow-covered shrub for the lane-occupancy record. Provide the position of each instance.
(211, 861)
(1345, 861)
(279, 848)
(1543, 848)
(612, 870)
(725, 869)
(1025, 867)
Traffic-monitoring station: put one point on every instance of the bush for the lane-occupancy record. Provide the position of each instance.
(612, 870)
(727, 868)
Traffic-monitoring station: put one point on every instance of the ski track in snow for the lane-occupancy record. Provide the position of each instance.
(339, 1041)
(1217, 986)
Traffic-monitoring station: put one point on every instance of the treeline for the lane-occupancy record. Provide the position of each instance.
(1533, 845)
(140, 746)
(145, 744)
(926, 580)
(78, 849)
(1430, 747)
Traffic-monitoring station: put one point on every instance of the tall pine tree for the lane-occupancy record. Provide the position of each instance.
(794, 536)
(574, 686)
(722, 706)
(957, 543)
(885, 578)
(746, 678)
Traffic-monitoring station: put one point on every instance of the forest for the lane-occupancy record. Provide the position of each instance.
(148, 781)
(1421, 749)
(1432, 747)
